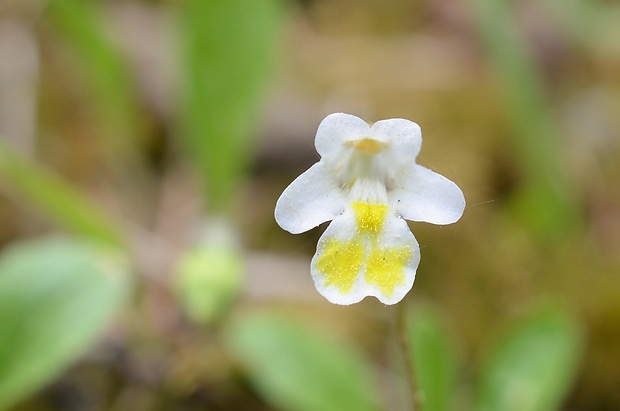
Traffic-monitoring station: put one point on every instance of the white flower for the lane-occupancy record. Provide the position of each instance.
(368, 183)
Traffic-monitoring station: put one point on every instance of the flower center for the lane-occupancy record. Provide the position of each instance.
(364, 159)
(368, 146)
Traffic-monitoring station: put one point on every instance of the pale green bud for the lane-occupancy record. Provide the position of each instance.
(209, 275)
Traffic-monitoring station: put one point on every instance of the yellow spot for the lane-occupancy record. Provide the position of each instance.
(368, 146)
(370, 217)
(340, 262)
(386, 268)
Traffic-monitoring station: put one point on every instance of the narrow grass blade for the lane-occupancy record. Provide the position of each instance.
(61, 202)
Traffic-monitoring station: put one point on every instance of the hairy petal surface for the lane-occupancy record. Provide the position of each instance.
(392, 262)
(338, 261)
(365, 252)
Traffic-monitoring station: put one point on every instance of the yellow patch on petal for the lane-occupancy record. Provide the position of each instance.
(368, 146)
(386, 268)
(340, 262)
(370, 217)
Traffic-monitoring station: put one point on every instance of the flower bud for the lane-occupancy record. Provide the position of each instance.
(209, 275)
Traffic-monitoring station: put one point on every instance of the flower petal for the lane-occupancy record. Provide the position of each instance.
(338, 260)
(353, 261)
(420, 194)
(392, 263)
(403, 140)
(337, 128)
(311, 199)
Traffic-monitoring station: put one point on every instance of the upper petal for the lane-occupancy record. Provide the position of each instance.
(311, 199)
(337, 128)
(402, 138)
(401, 135)
(420, 194)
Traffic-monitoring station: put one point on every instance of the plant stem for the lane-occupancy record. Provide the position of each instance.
(407, 349)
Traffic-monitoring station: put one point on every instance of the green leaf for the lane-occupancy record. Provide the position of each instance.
(297, 367)
(546, 201)
(115, 97)
(57, 199)
(531, 366)
(56, 296)
(434, 358)
(229, 51)
(593, 23)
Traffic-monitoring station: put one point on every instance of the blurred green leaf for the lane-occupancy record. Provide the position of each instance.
(229, 49)
(56, 198)
(593, 23)
(532, 365)
(115, 99)
(433, 356)
(546, 200)
(56, 296)
(297, 367)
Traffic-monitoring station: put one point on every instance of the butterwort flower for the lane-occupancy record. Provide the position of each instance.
(368, 183)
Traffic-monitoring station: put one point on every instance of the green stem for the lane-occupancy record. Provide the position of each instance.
(401, 324)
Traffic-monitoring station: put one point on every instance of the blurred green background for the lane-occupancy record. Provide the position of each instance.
(143, 145)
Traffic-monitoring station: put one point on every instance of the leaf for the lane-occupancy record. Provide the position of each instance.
(229, 51)
(433, 356)
(115, 97)
(531, 366)
(56, 296)
(56, 198)
(546, 200)
(594, 24)
(296, 367)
